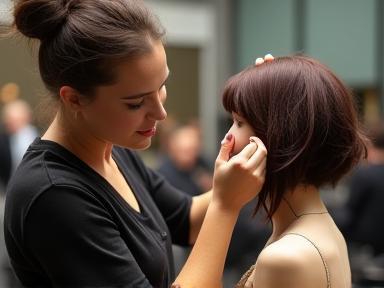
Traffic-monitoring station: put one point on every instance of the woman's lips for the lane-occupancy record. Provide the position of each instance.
(148, 133)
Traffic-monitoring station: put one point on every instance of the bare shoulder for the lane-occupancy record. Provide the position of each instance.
(289, 262)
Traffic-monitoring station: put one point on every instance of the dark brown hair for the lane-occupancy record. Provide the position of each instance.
(305, 116)
(82, 40)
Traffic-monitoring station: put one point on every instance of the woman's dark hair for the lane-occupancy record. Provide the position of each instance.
(82, 40)
(307, 119)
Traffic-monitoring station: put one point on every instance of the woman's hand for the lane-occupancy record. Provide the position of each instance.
(239, 179)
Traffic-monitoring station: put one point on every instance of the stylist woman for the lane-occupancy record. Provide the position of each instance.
(82, 210)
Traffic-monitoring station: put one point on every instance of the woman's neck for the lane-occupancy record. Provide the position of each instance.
(303, 200)
(70, 133)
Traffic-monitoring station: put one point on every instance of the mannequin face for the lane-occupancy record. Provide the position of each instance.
(241, 130)
(126, 112)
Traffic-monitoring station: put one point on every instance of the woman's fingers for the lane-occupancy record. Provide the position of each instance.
(257, 162)
(226, 148)
(247, 151)
(267, 58)
(260, 169)
(258, 155)
(259, 61)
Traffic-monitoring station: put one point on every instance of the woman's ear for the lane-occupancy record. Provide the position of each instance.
(70, 98)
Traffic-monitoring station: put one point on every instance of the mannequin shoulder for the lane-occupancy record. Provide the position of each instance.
(289, 262)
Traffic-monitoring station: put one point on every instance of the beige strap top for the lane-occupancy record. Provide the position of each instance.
(245, 277)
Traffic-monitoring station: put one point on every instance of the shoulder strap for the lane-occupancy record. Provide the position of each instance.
(321, 256)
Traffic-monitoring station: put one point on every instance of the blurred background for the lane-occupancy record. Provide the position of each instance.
(207, 41)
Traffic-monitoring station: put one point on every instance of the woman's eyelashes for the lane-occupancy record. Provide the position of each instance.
(134, 106)
(238, 123)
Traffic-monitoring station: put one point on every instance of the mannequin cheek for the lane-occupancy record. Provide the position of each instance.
(240, 142)
(239, 145)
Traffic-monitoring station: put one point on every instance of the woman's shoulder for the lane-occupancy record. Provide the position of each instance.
(291, 261)
(287, 253)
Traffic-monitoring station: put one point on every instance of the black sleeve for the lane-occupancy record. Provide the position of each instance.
(77, 244)
(174, 205)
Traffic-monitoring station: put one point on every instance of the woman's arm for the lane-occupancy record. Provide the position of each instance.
(236, 182)
(198, 210)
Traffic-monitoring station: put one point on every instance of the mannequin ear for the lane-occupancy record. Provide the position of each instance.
(70, 98)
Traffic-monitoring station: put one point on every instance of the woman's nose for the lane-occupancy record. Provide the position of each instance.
(158, 111)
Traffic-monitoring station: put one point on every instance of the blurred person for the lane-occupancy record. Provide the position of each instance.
(183, 165)
(366, 198)
(164, 129)
(18, 134)
(82, 209)
(307, 120)
(15, 137)
(9, 92)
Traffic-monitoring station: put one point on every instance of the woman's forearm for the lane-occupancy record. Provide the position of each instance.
(198, 210)
(205, 265)
(237, 181)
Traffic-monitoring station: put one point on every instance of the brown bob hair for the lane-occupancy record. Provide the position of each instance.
(306, 118)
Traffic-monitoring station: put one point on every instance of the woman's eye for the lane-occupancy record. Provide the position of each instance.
(134, 106)
(238, 123)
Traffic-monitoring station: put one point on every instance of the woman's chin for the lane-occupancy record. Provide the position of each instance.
(142, 145)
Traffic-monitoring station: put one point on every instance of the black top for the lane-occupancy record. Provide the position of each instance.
(5, 159)
(365, 207)
(66, 226)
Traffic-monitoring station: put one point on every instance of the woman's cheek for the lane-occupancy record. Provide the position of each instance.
(239, 145)
(240, 142)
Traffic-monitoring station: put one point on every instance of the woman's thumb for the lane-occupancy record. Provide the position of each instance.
(226, 147)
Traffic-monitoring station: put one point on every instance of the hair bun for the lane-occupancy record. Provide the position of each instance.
(39, 18)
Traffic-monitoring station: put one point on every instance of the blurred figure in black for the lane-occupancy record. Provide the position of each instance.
(363, 228)
(366, 199)
(183, 164)
(17, 135)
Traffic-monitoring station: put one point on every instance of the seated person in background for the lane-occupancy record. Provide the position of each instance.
(366, 198)
(18, 134)
(183, 165)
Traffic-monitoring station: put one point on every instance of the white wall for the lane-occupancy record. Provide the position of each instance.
(5, 12)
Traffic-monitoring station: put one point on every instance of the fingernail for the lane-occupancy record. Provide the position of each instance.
(227, 138)
(251, 139)
(259, 61)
